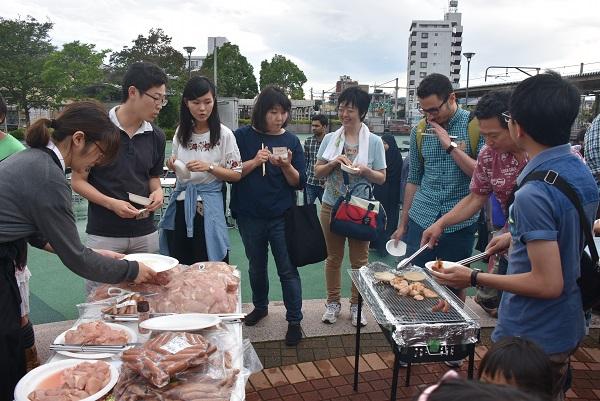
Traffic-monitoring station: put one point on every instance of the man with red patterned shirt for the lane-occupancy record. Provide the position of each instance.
(498, 164)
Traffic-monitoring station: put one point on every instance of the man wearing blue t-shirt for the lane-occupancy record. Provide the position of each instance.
(541, 300)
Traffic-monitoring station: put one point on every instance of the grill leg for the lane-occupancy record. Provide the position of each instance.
(471, 361)
(407, 382)
(395, 375)
(357, 347)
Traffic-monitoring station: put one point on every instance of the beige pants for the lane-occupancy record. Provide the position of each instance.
(359, 256)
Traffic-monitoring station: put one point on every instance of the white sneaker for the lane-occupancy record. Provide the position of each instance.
(332, 311)
(354, 311)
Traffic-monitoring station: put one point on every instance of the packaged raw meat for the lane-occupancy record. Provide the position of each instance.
(96, 333)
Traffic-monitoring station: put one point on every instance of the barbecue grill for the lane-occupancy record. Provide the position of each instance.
(415, 333)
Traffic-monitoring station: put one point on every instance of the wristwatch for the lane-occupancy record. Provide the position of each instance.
(211, 168)
(474, 274)
(452, 146)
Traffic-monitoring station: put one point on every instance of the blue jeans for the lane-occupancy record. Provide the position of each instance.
(312, 192)
(257, 234)
(451, 247)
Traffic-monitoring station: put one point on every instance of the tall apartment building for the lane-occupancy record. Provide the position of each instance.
(433, 46)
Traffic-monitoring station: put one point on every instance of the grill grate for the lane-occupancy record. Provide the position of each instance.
(390, 308)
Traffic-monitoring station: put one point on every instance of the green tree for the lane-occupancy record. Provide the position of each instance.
(71, 70)
(25, 47)
(235, 75)
(156, 48)
(283, 73)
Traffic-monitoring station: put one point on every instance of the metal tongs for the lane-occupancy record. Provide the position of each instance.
(472, 259)
(96, 349)
(404, 262)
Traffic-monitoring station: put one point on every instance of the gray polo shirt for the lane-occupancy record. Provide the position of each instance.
(140, 158)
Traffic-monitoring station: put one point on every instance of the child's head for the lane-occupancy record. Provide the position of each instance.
(460, 390)
(271, 110)
(518, 362)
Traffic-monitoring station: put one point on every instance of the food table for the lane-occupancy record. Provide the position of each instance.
(225, 339)
(415, 332)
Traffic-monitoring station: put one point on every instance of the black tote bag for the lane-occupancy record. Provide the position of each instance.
(304, 236)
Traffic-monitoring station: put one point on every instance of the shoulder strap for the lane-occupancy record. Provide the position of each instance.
(551, 177)
(473, 131)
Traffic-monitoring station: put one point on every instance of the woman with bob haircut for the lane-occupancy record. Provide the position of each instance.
(273, 170)
(193, 227)
(352, 145)
(35, 207)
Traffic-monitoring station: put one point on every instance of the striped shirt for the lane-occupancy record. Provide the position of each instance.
(442, 184)
(592, 148)
(311, 148)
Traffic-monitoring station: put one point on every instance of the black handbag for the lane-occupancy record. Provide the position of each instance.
(356, 217)
(304, 235)
(589, 280)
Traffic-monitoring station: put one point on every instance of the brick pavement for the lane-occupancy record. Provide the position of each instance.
(332, 378)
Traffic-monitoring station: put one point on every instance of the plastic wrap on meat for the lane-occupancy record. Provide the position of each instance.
(75, 383)
(211, 289)
(101, 292)
(191, 385)
(96, 333)
(167, 354)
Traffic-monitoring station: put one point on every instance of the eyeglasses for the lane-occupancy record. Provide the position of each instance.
(433, 110)
(507, 116)
(162, 100)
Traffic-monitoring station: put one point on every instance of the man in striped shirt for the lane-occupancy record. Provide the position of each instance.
(440, 172)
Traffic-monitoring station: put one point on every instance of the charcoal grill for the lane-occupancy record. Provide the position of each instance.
(415, 333)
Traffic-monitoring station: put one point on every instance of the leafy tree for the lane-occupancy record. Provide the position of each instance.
(25, 47)
(73, 69)
(156, 48)
(235, 75)
(283, 73)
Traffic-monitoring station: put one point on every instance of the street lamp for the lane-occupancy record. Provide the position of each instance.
(189, 50)
(468, 55)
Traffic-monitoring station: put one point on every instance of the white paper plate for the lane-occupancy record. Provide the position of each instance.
(348, 169)
(181, 170)
(33, 379)
(158, 263)
(181, 322)
(445, 264)
(396, 250)
(131, 338)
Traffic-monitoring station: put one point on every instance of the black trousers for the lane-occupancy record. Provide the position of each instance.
(188, 250)
(12, 351)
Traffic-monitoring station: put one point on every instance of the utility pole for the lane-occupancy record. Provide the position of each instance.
(215, 62)
(396, 100)
(468, 55)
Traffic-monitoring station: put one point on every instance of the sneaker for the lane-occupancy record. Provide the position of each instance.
(332, 311)
(454, 364)
(488, 306)
(255, 316)
(293, 335)
(354, 312)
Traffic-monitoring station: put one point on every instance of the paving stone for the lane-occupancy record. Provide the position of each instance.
(337, 381)
(362, 365)
(286, 390)
(276, 377)
(336, 352)
(387, 357)
(293, 374)
(582, 356)
(326, 368)
(252, 397)
(342, 365)
(328, 393)
(378, 396)
(311, 396)
(579, 366)
(379, 384)
(268, 394)
(293, 397)
(304, 387)
(593, 365)
(346, 389)
(594, 353)
(319, 384)
(374, 361)
(259, 381)
(370, 375)
(309, 370)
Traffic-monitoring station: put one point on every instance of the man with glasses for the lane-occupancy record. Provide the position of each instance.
(114, 222)
(440, 172)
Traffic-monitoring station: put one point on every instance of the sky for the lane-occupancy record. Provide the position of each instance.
(366, 40)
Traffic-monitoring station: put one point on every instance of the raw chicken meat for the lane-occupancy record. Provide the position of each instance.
(76, 383)
(96, 333)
